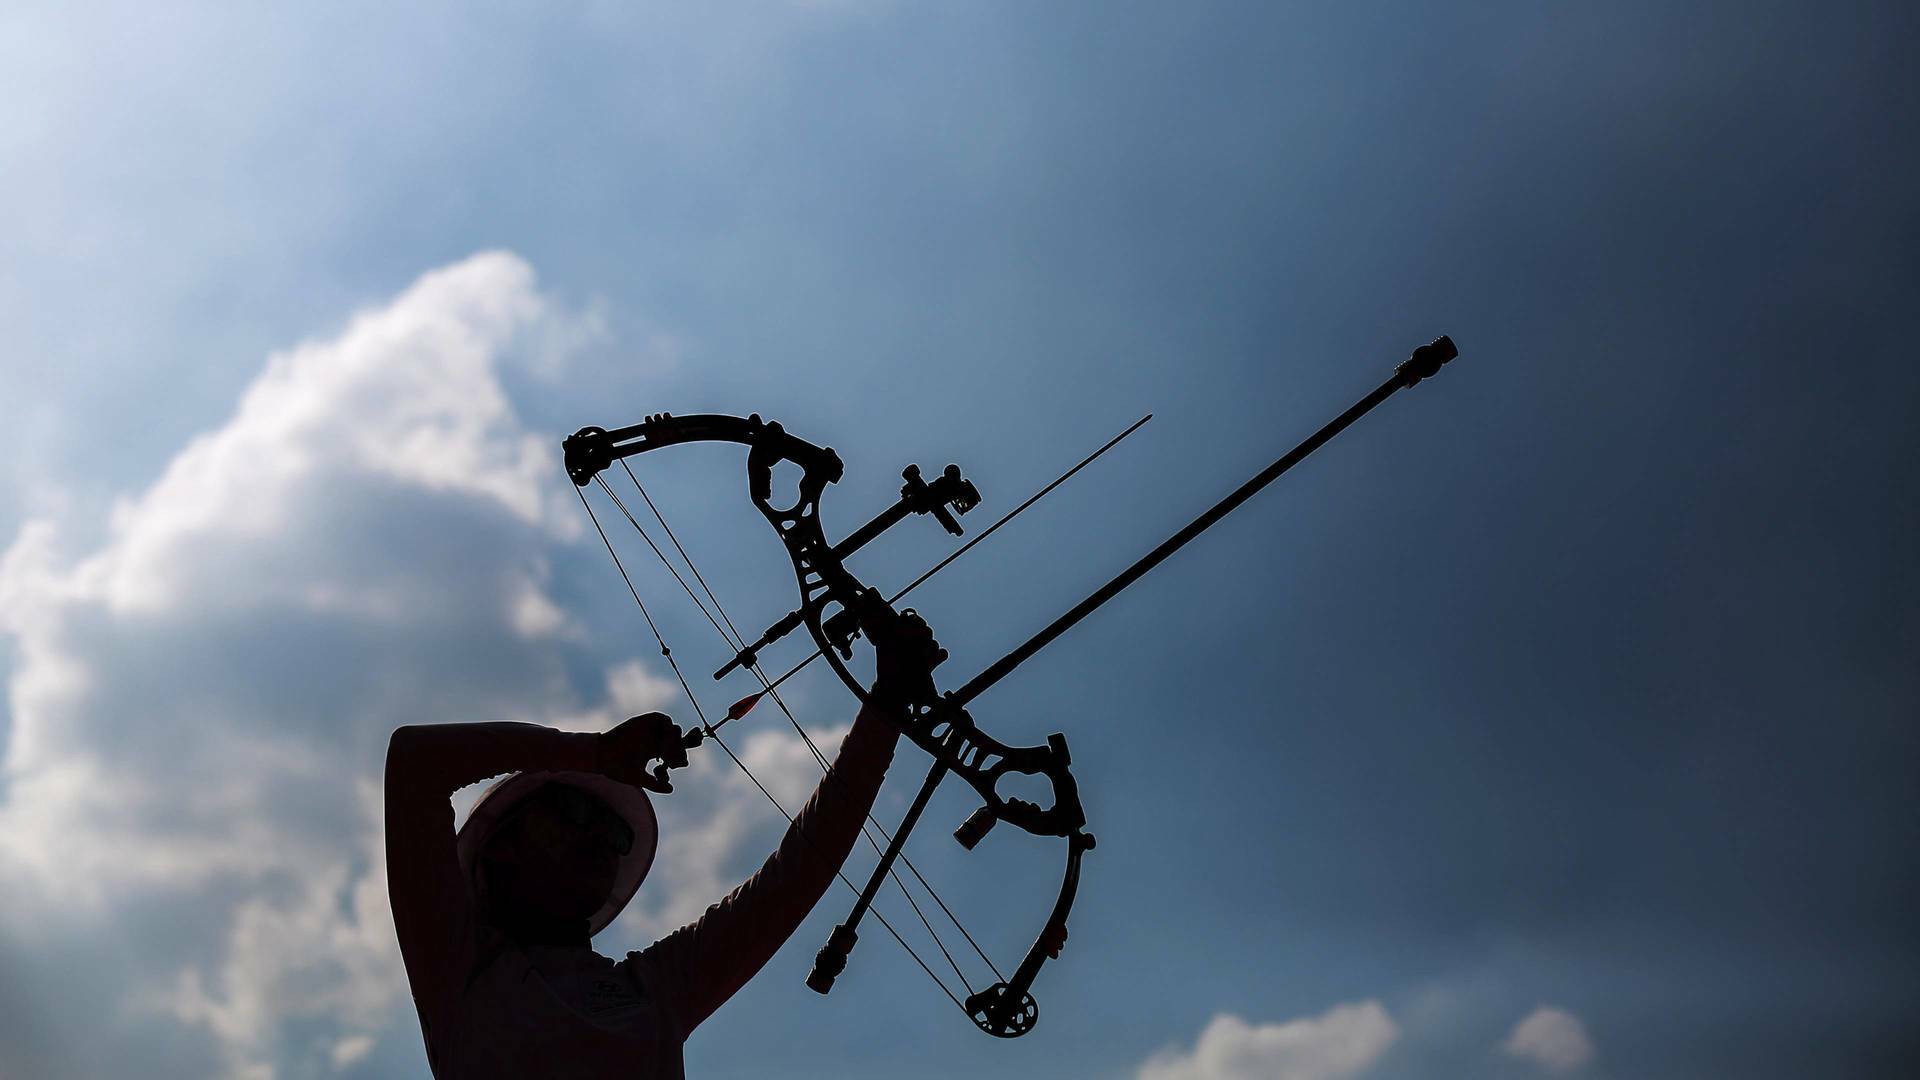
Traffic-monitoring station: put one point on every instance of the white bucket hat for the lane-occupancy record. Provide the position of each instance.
(630, 802)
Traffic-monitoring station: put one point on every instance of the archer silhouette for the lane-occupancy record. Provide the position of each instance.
(495, 922)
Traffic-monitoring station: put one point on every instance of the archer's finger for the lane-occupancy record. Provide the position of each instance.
(674, 752)
(657, 781)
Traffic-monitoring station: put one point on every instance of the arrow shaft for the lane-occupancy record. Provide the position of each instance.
(1402, 376)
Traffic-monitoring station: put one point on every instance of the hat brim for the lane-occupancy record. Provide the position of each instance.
(630, 802)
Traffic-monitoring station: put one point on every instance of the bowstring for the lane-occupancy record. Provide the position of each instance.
(737, 641)
(709, 731)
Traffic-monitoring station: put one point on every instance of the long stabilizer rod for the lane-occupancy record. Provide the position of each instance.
(1424, 362)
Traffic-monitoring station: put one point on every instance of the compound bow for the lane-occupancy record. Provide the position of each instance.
(836, 607)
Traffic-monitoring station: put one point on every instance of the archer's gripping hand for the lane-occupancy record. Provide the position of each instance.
(623, 753)
(905, 655)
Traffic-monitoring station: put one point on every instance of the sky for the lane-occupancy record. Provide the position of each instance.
(1557, 720)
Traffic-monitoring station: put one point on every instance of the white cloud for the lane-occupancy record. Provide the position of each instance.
(1554, 1039)
(351, 1050)
(301, 957)
(1341, 1042)
(199, 702)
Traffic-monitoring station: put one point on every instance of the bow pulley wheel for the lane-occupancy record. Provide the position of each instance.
(991, 1014)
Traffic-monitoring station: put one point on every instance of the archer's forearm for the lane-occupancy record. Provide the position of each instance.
(875, 718)
(443, 758)
(824, 830)
(720, 951)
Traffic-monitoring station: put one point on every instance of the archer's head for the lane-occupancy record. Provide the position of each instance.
(553, 861)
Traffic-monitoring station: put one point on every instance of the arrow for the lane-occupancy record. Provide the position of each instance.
(745, 705)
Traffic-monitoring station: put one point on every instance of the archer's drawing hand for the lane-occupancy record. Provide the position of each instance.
(905, 655)
(623, 753)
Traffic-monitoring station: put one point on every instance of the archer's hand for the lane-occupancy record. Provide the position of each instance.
(623, 753)
(905, 655)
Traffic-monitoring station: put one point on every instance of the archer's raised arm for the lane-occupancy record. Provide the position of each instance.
(432, 905)
(714, 956)
(443, 758)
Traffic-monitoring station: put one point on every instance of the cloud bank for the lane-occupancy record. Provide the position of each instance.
(1553, 1039)
(191, 858)
(1341, 1042)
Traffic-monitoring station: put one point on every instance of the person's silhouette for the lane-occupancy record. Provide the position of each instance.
(495, 922)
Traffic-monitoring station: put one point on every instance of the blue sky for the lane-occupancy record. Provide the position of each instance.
(1555, 721)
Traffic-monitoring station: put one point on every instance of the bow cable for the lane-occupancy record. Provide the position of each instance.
(708, 729)
(737, 642)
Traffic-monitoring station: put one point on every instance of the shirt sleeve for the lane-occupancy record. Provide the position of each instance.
(433, 913)
(705, 962)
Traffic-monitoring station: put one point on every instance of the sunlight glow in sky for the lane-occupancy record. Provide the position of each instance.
(1555, 721)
